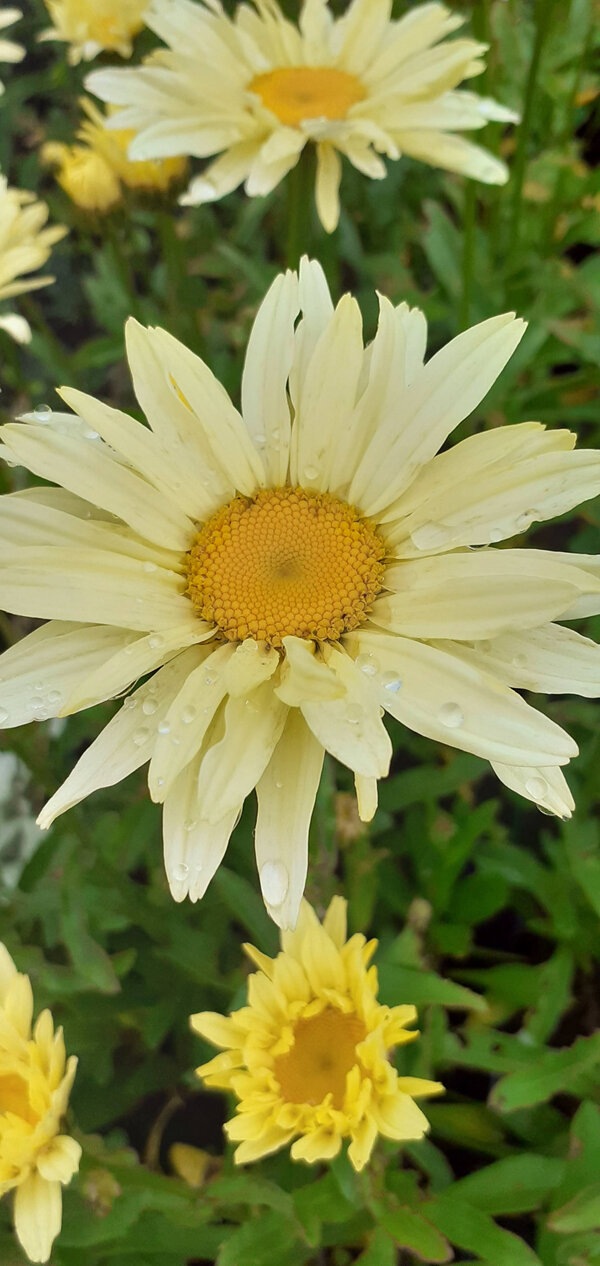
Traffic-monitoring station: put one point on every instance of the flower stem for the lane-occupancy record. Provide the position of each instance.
(543, 10)
(468, 258)
(299, 208)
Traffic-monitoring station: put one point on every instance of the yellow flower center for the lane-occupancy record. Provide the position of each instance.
(307, 92)
(323, 1054)
(14, 1097)
(285, 562)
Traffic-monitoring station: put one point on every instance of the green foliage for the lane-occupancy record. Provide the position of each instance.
(486, 913)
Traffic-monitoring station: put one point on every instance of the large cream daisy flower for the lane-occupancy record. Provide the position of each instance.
(9, 51)
(283, 575)
(309, 1056)
(256, 89)
(25, 244)
(35, 1084)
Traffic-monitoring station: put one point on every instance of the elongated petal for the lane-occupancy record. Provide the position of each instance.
(552, 659)
(269, 356)
(141, 655)
(232, 766)
(193, 847)
(286, 796)
(329, 175)
(188, 719)
(454, 153)
(38, 674)
(351, 728)
(546, 785)
(38, 1216)
(328, 395)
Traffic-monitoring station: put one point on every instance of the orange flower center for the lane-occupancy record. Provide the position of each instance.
(14, 1097)
(307, 92)
(285, 562)
(323, 1054)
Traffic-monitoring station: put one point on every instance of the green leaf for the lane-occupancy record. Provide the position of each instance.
(408, 984)
(268, 1240)
(582, 1213)
(514, 1184)
(469, 1228)
(411, 1230)
(553, 1071)
(380, 1251)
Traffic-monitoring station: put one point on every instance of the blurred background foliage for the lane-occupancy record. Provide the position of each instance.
(487, 912)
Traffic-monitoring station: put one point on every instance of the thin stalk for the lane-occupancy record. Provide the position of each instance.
(568, 128)
(299, 208)
(543, 18)
(468, 259)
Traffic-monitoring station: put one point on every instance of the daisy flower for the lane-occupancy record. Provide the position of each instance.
(256, 89)
(35, 1084)
(9, 51)
(90, 27)
(24, 246)
(308, 1058)
(282, 574)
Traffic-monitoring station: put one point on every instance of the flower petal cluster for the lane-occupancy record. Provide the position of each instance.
(9, 51)
(35, 1084)
(278, 577)
(256, 89)
(309, 1056)
(90, 27)
(25, 245)
(93, 171)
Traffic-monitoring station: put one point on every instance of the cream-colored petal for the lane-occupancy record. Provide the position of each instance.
(328, 396)
(193, 848)
(468, 596)
(223, 175)
(545, 785)
(83, 467)
(286, 796)
(454, 153)
(252, 663)
(60, 1160)
(304, 677)
(442, 697)
(327, 186)
(15, 325)
(41, 671)
(141, 655)
(360, 33)
(188, 719)
(317, 309)
(234, 764)
(422, 26)
(266, 171)
(366, 797)
(351, 728)
(589, 602)
(447, 390)
(49, 582)
(38, 1216)
(220, 422)
(126, 742)
(269, 355)
(551, 659)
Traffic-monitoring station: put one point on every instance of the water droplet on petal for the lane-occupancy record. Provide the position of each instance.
(210, 678)
(431, 535)
(91, 435)
(149, 706)
(536, 787)
(451, 715)
(188, 714)
(496, 535)
(130, 704)
(150, 567)
(278, 784)
(42, 413)
(163, 727)
(156, 642)
(520, 660)
(180, 872)
(368, 664)
(190, 825)
(260, 439)
(354, 714)
(274, 881)
(3, 716)
(39, 686)
(140, 737)
(391, 682)
(54, 697)
(311, 472)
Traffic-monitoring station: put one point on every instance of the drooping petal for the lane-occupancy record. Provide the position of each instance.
(39, 673)
(38, 1216)
(351, 728)
(546, 785)
(193, 847)
(327, 195)
(233, 765)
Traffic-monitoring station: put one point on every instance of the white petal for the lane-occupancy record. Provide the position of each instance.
(251, 664)
(454, 153)
(40, 672)
(15, 325)
(589, 602)
(351, 728)
(466, 596)
(193, 849)
(188, 719)
(328, 396)
(545, 785)
(140, 656)
(551, 659)
(223, 175)
(304, 677)
(38, 1216)
(29, 518)
(327, 195)
(366, 796)
(442, 697)
(232, 766)
(286, 796)
(317, 310)
(269, 356)
(126, 742)
(420, 27)
(360, 33)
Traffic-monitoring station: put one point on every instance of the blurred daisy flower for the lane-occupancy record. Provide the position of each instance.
(90, 27)
(309, 1057)
(35, 1084)
(25, 245)
(9, 51)
(256, 89)
(93, 171)
(283, 574)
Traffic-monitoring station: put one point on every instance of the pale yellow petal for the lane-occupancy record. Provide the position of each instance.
(269, 355)
(351, 728)
(329, 175)
(234, 764)
(193, 847)
(545, 785)
(38, 1216)
(60, 1160)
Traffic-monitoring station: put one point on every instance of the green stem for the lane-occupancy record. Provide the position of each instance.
(568, 128)
(543, 16)
(468, 260)
(123, 266)
(299, 208)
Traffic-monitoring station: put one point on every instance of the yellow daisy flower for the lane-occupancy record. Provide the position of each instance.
(90, 27)
(283, 574)
(35, 1084)
(24, 246)
(91, 172)
(256, 89)
(9, 51)
(308, 1057)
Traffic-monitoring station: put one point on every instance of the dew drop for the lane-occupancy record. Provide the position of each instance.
(368, 664)
(354, 714)
(39, 686)
(188, 714)
(391, 682)
(275, 434)
(150, 567)
(496, 535)
(163, 727)
(140, 737)
(3, 716)
(149, 706)
(451, 715)
(180, 872)
(54, 697)
(520, 661)
(211, 678)
(156, 642)
(311, 472)
(274, 881)
(91, 435)
(278, 784)
(42, 413)
(536, 787)
(260, 439)
(130, 704)
(190, 825)
(431, 535)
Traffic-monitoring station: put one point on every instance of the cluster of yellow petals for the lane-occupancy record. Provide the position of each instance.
(309, 1056)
